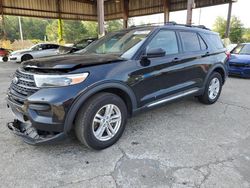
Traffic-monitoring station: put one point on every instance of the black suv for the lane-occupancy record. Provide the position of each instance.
(95, 90)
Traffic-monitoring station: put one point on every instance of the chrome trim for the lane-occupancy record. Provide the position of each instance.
(173, 97)
(27, 87)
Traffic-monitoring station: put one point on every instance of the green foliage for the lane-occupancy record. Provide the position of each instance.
(51, 31)
(11, 27)
(246, 36)
(33, 28)
(91, 28)
(36, 29)
(236, 29)
(114, 25)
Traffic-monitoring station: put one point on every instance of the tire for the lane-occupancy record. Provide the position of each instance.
(210, 96)
(26, 57)
(86, 128)
(5, 59)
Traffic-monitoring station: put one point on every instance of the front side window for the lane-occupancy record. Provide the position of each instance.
(166, 40)
(190, 41)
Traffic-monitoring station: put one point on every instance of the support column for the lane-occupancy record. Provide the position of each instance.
(228, 19)
(190, 6)
(100, 17)
(166, 7)
(125, 8)
(60, 23)
(3, 34)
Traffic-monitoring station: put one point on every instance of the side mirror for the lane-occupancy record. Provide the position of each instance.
(155, 52)
(40, 49)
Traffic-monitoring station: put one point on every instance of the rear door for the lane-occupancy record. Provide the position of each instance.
(194, 60)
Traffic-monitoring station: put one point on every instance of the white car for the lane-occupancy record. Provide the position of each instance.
(36, 51)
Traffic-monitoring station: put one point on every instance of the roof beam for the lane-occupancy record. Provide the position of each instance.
(85, 1)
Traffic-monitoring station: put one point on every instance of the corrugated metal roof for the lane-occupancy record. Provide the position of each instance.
(86, 9)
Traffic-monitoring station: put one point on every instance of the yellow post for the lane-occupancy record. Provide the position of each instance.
(60, 31)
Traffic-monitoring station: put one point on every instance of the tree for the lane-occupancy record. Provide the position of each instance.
(73, 31)
(91, 28)
(114, 25)
(246, 36)
(236, 29)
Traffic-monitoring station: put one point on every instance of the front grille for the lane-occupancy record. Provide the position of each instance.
(22, 86)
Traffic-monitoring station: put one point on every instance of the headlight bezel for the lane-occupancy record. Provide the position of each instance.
(59, 80)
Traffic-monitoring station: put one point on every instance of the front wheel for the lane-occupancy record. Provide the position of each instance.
(212, 89)
(101, 121)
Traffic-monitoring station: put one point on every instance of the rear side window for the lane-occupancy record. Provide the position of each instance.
(190, 41)
(215, 40)
(166, 40)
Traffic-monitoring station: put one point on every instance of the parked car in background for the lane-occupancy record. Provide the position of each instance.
(36, 51)
(95, 90)
(239, 61)
(4, 53)
(75, 47)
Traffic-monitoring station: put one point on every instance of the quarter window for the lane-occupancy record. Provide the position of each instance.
(166, 40)
(190, 42)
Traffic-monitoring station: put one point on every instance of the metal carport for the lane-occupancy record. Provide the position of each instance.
(100, 10)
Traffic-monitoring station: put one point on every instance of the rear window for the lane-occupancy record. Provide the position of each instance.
(215, 40)
(190, 41)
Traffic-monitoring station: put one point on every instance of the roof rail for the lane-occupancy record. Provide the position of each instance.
(185, 25)
(170, 23)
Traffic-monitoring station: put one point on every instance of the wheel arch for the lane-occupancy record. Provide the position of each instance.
(120, 89)
(217, 68)
(26, 55)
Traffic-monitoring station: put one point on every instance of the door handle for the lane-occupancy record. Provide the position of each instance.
(175, 59)
(206, 54)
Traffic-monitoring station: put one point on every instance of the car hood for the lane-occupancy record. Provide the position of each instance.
(20, 51)
(71, 61)
(235, 58)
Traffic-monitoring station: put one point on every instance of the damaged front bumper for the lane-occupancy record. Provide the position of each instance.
(30, 134)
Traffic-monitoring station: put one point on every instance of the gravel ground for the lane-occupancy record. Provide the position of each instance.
(183, 144)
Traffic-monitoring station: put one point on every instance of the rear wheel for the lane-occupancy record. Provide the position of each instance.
(101, 121)
(26, 57)
(212, 90)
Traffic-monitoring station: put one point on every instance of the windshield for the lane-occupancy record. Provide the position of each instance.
(118, 43)
(243, 49)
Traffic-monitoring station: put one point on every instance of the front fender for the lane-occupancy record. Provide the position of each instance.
(68, 124)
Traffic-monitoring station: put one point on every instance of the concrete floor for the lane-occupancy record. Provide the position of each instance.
(184, 144)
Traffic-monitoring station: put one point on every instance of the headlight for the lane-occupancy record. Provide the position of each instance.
(59, 80)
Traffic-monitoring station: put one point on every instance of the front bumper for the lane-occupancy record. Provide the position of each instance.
(14, 59)
(44, 112)
(30, 134)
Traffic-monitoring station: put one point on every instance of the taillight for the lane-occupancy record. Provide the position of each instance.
(228, 55)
